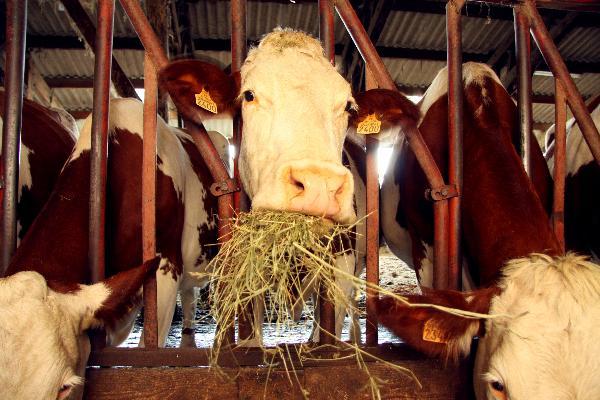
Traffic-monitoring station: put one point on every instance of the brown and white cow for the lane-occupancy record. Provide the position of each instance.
(44, 345)
(541, 341)
(502, 215)
(582, 192)
(57, 246)
(295, 108)
(47, 138)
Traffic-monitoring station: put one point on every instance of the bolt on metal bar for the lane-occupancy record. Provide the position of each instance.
(449, 276)
(99, 151)
(16, 25)
(372, 210)
(523, 49)
(559, 69)
(560, 163)
(327, 34)
(149, 200)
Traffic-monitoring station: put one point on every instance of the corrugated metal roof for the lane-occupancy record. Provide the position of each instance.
(582, 45)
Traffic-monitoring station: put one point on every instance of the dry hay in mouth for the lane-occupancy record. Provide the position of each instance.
(278, 257)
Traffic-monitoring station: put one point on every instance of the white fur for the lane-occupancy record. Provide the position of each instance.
(297, 117)
(547, 346)
(40, 335)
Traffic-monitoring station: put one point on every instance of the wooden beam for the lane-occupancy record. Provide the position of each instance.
(82, 82)
(88, 30)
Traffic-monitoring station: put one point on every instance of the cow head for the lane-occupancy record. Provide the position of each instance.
(542, 342)
(43, 341)
(296, 109)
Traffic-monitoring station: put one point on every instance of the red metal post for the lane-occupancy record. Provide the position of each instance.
(560, 164)
(559, 69)
(99, 153)
(523, 48)
(238, 55)
(449, 276)
(327, 35)
(149, 200)
(147, 35)
(372, 267)
(16, 24)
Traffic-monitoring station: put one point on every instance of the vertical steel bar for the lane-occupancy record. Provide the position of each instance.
(559, 69)
(147, 35)
(99, 152)
(449, 276)
(326, 33)
(523, 48)
(16, 24)
(238, 54)
(149, 200)
(560, 163)
(372, 263)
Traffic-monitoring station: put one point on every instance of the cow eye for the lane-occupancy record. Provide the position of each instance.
(348, 106)
(64, 391)
(498, 390)
(249, 95)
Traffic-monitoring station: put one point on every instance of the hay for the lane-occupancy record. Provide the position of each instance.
(272, 261)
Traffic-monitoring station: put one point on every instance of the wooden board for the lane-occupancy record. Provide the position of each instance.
(249, 383)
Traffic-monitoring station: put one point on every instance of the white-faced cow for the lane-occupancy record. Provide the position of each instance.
(295, 108)
(47, 138)
(57, 246)
(582, 192)
(44, 345)
(502, 215)
(542, 341)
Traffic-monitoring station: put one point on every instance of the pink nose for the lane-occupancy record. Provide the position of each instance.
(319, 190)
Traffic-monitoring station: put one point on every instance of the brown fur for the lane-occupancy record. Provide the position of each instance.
(388, 105)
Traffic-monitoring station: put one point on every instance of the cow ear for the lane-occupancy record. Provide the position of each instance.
(434, 332)
(105, 303)
(388, 107)
(199, 89)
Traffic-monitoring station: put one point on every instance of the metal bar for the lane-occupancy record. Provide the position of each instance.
(449, 276)
(103, 51)
(363, 43)
(327, 35)
(238, 55)
(560, 164)
(145, 32)
(372, 209)
(149, 200)
(559, 69)
(523, 49)
(16, 25)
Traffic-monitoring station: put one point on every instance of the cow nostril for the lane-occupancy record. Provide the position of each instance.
(299, 185)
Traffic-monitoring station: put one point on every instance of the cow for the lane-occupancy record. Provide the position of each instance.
(47, 138)
(56, 245)
(540, 341)
(44, 345)
(296, 109)
(582, 191)
(502, 210)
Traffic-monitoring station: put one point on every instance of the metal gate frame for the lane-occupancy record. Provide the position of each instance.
(447, 251)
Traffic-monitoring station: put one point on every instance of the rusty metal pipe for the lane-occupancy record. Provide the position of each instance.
(449, 276)
(523, 48)
(560, 164)
(145, 32)
(559, 69)
(16, 24)
(372, 209)
(363, 43)
(99, 151)
(149, 200)
(326, 33)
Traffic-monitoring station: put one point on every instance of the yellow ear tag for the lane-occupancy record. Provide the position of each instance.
(371, 124)
(203, 100)
(433, 333)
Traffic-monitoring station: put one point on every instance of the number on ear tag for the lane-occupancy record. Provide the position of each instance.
(371, 124)
(203, 100)
(433, 333)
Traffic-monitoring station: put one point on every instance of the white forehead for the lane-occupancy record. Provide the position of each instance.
(549, 345)
(291, 59)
